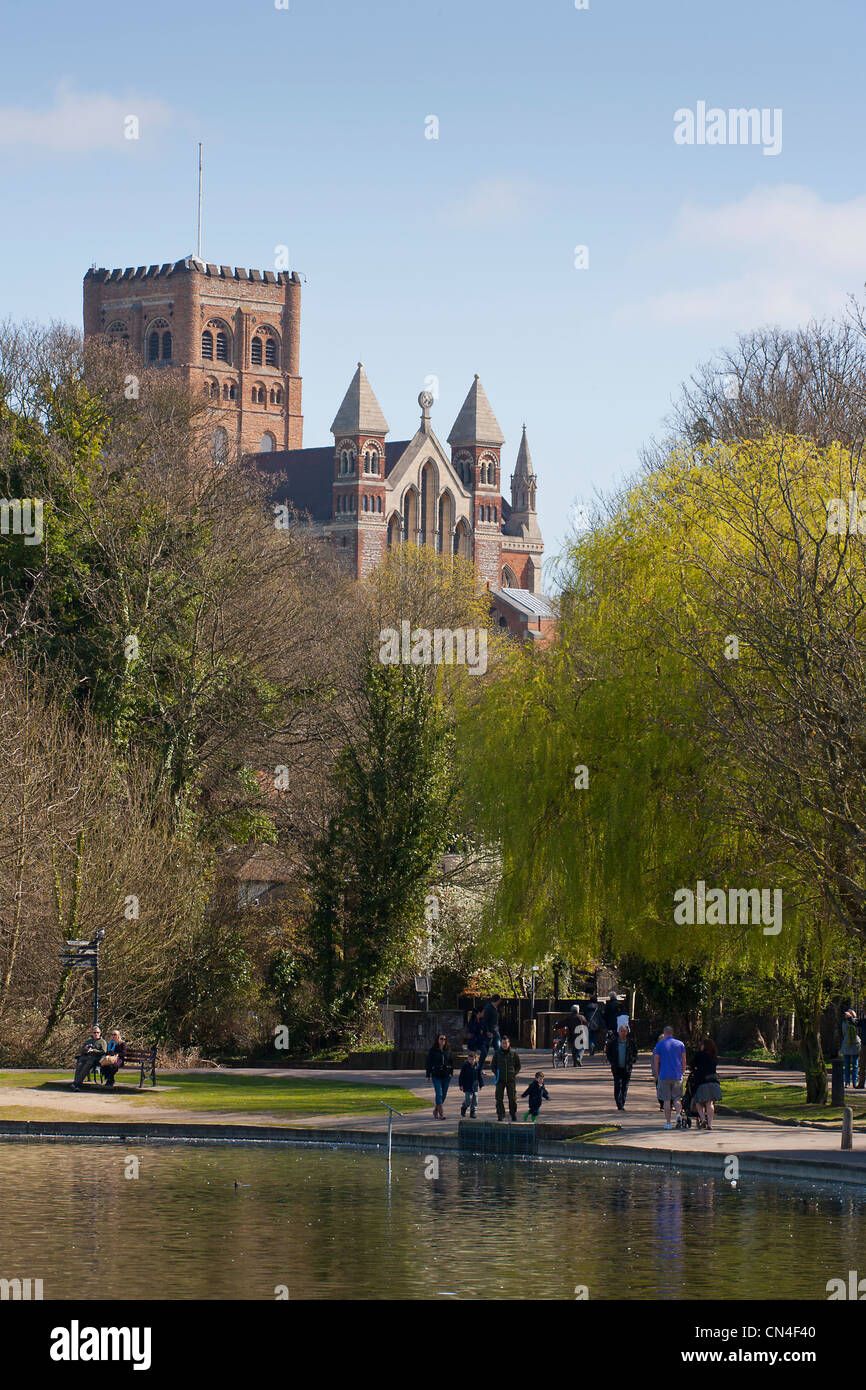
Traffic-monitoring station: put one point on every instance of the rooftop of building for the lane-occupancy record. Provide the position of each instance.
(526, 603)
(308, 475)
(192, 265)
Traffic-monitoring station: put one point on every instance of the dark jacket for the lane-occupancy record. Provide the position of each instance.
(94, 1045)
(476, 1034)
(612, 1051)
(536, 1092)
(470, 1076)
(596, 1018)
(439, 1062)
(507, 1064)
(704, 1068)
(491, 1016)
(612, 1011)
(571, 1023)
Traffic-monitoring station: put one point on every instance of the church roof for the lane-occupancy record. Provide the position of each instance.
(307, 477)
(476, 423)
(523, 468)
(360, 412)
(307, 484)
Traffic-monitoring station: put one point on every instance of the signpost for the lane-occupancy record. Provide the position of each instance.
(84, 955)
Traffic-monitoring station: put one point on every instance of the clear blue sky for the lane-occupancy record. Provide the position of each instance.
(453, 256)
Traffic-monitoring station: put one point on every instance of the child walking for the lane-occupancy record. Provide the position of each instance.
(470, 1082)
(537, 1092)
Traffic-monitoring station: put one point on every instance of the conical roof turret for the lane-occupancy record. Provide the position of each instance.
(476, 423)
(360, 412)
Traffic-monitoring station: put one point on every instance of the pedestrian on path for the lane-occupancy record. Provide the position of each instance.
(611, 1012)
(576, 1026)
(440, 1069)
(491, 1025)
(506, 1065)
(476, 1034)
(850, 1046)
(537, 1092)
(622, 1054)
(669, 1060)
(708, 1091)
(470, 1081)
(596, 1024)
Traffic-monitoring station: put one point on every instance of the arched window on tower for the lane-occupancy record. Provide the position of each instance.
(222, 347)
(265, 348)
(268, 444)
(207, 345)
(157, 340)
(220, 446)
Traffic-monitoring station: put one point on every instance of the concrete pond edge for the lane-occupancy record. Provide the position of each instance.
(750, 1165)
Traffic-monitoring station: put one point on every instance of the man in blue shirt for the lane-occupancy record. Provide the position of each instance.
(669, 1060)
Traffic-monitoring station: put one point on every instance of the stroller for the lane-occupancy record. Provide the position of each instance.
(684, 1120)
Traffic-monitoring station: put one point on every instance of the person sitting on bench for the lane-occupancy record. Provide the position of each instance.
(114, 1058)
(88, 1057)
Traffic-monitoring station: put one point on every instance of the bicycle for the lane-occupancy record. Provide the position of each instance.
(562, 1052)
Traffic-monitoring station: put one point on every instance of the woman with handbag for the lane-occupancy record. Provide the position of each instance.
(440, 1069)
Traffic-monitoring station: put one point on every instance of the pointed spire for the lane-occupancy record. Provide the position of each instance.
(360, 412)
(523, 469)
(476, 423)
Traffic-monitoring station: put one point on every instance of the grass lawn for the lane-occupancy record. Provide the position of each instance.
(287, 1097)
(787, 1102)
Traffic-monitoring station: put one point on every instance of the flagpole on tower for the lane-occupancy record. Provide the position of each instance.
(198, 242)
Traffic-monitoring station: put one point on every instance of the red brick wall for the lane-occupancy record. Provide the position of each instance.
(187, 298)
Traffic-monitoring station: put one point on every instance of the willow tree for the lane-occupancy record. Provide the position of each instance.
(623, 767)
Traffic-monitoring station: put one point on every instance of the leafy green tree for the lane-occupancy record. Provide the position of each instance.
(368, 874)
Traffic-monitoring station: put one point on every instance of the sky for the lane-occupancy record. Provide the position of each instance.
(433, 169)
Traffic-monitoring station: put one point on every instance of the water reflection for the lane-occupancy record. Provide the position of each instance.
(330, 1223)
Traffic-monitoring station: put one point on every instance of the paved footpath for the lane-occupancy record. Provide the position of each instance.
(585, 1096)
(579, 1096)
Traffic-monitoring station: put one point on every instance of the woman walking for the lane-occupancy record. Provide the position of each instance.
(708, 1092)
(850, 1046)
(440, 1069)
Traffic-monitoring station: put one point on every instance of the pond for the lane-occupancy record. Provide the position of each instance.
(316, 1223)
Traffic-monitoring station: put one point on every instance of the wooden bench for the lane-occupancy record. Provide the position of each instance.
(141, 1057)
